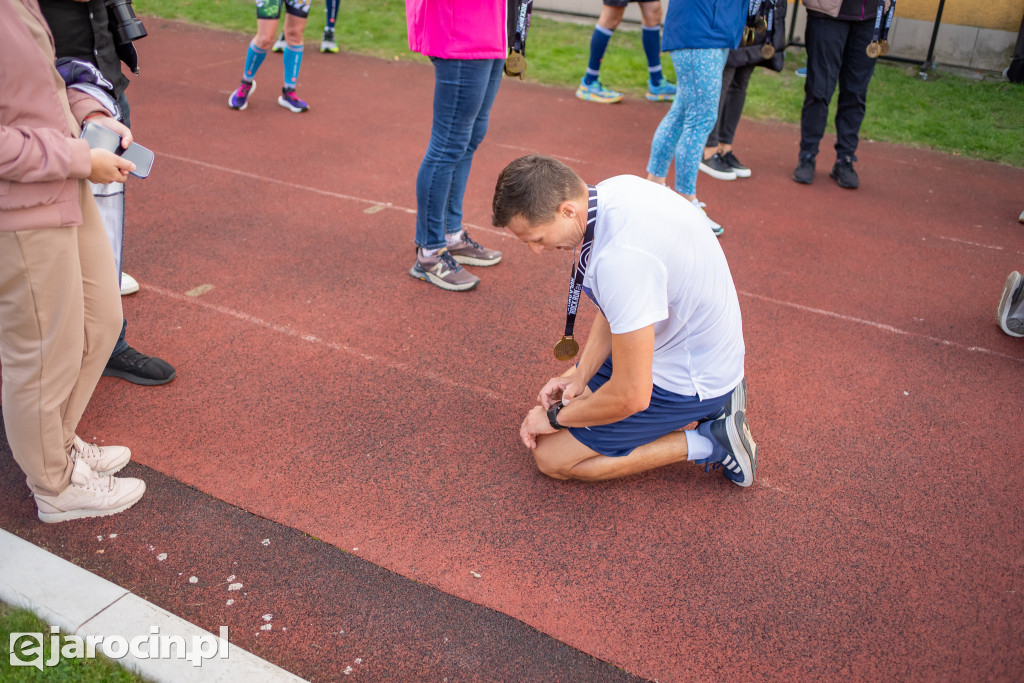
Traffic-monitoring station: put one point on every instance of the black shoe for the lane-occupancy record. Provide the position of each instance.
(734, 163)
(804, 172)
(844, 174)
(138, 368)
(716, 167)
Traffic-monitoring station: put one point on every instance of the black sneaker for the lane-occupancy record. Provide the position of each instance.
(804, 172)
(716, 167)
(733, 449)
(739, 169)
(138, 368)
(844, 174)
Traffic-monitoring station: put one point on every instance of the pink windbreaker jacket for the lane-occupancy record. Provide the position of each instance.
(458, 29)
(41, 157)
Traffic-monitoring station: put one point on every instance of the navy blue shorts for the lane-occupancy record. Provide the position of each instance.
(667, 413)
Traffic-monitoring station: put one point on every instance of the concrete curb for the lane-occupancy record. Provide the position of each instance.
(83, 604)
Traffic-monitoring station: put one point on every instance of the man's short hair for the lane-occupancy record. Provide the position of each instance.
(533, 187)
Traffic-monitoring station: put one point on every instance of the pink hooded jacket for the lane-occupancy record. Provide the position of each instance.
(41, 157)
(458, 29)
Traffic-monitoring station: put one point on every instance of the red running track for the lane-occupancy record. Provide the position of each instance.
(321, 387)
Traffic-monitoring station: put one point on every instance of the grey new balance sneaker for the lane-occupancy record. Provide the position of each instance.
(443, 270)
(1010, 312)
(469, 253)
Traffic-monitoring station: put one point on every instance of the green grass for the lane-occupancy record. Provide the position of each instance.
(79, 670)
(983, 119)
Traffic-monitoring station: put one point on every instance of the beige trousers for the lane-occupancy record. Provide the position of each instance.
(60, 315)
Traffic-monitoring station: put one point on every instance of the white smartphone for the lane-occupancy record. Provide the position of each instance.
(99, 137)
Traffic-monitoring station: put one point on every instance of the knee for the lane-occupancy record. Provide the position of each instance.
(547, 463)
(263, 43)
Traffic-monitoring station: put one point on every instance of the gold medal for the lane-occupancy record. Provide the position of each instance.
(767, 51)
(515, 65)
(748, 36)
(566, 348)
(884, 44)
(873, 49)
(761, 25)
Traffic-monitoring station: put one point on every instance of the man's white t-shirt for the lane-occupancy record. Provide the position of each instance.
(654, 260)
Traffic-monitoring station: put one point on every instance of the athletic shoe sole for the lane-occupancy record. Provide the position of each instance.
(427, 276)
(651, 97)
(66, 516)
(135, 379)
(588, 96)
(742, 446)
(246, 104)
(1013, 281)
(289, 106)
(720, 175)
(741, 172)
(738, 401)
(329, 47)
(474, 261)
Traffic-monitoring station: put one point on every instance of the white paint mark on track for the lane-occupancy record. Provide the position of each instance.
(879, 326)
(327, 193)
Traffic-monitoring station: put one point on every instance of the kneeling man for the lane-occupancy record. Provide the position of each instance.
(666, 347)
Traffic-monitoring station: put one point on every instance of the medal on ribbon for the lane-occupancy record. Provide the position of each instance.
(567, 347)
(515, 63)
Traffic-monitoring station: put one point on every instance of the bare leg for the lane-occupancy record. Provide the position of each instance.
(561, 456)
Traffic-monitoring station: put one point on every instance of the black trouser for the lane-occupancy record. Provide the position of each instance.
(835, 53)
(730, 104)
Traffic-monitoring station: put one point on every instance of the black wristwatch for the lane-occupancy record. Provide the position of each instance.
(553, 415)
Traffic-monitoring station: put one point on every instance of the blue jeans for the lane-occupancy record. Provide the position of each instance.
(464, 90)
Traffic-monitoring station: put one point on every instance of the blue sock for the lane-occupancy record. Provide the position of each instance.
(651, 38)
(292, 62)
(598, 45)
(332, 12)
(253, 59)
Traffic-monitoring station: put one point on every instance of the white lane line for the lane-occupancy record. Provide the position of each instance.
(977, 244)
(313, 339)
(326, 193)
(879, 326)
(296, 186)
(502, 233)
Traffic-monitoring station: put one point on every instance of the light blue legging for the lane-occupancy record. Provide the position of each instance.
(685, 128)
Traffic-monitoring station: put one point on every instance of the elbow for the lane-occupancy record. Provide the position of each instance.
(639, 401)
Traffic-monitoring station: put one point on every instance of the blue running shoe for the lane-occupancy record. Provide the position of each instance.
(801, 72)
(240, 98)
(664, 92)
(291, 102)
(733, 449)
(595, 92)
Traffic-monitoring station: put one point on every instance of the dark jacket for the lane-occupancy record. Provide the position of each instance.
(853, 10)
(751, 54)
(82, 30)
(703, 24)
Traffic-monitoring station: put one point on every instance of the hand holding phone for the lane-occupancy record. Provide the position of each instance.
(107, 167)
(101, 138)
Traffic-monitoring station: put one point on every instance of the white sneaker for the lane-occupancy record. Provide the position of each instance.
(129, 285)
(103, 460)
(715, 227)
(280, 44)
(90, 495)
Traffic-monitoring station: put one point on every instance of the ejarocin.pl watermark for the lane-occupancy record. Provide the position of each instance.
(27, 648)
